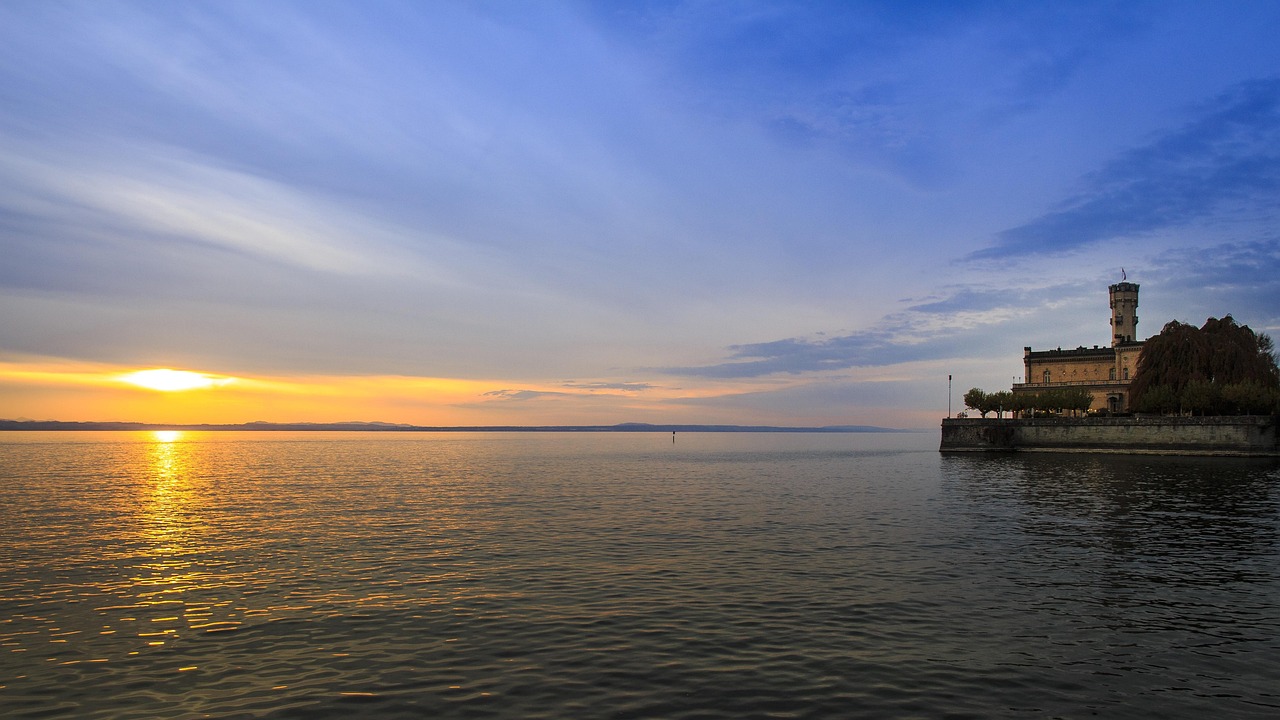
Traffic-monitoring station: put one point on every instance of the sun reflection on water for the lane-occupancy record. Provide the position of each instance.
(173, 526)
(168, 508)
(167, 436)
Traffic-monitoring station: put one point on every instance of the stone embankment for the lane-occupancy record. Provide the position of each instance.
(1248, 436)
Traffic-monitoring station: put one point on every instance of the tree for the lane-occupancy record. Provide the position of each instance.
(1171, 358)
(1197, 365)
(1249, 398)
(1052, 400)
(1021, 402)
(976, 399)
(1201, 397)
(985, 402)
(1161, 399)
(1000, 402)
(1239, 354)
(1076, 399)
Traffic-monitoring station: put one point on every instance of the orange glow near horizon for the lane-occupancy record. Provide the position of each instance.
(42, 388)
(60, 389)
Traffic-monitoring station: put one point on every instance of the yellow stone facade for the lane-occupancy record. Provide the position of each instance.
(1104, 371)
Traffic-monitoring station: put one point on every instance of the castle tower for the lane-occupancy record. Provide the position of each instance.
(1124, 312)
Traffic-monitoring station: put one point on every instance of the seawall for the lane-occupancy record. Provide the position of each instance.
(1248, 436)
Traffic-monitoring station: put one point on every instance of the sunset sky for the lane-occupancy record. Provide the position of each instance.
(454, 213)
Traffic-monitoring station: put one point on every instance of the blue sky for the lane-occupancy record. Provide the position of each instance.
(783, 213)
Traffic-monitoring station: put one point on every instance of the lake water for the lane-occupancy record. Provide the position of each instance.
(529, 575)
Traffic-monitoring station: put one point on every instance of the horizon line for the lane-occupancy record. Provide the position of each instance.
(377, 426)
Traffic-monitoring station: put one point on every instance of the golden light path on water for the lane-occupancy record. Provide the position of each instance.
(164, 562)
(206, 553)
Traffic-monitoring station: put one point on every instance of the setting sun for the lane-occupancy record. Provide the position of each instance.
(167, 380)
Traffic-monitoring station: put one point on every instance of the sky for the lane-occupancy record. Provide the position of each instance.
(484, 213)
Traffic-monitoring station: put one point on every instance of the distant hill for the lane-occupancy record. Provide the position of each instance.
(398, 427)
(647, 427)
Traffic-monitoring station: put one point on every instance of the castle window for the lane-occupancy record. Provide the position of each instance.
(1046, 376)
(1113, 374)
(1126, 373)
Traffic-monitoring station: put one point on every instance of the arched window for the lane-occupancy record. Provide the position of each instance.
(1112, 374)
(1126, 373)
(1046, 377)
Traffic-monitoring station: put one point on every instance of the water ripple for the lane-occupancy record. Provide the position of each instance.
(549, 576)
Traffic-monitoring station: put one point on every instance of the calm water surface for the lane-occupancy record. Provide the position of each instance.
(384, 575)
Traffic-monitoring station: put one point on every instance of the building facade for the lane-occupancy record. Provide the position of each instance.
(1104, 371)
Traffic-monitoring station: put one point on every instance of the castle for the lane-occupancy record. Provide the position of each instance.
(1103, 371)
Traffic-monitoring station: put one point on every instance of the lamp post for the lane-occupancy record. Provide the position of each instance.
(948, 396)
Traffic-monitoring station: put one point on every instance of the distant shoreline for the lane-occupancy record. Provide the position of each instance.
(46, 425)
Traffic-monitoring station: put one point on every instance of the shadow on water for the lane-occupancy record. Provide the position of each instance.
(1143, 576)
(1128, 504)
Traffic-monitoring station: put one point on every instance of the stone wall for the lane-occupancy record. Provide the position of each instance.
(1249, 436)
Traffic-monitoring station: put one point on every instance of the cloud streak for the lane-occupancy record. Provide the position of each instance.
(1241, 278)
(510, 395)
(1230, 156)
(172, 195)
(599, 386)
(938, 328)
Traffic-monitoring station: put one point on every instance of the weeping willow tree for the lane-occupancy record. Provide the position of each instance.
(1221, 368)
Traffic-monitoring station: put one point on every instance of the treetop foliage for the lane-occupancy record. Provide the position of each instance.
(1073, 400)
(1222, 367)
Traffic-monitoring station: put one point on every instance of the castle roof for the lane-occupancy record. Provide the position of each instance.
(1081, 353)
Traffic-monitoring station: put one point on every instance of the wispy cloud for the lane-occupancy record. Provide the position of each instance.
(598, 386)
(939, 327)
(511, 395)
(1240, 278)
(170, 195)
(1252, 264)
(1229, 156)
(576, 389)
